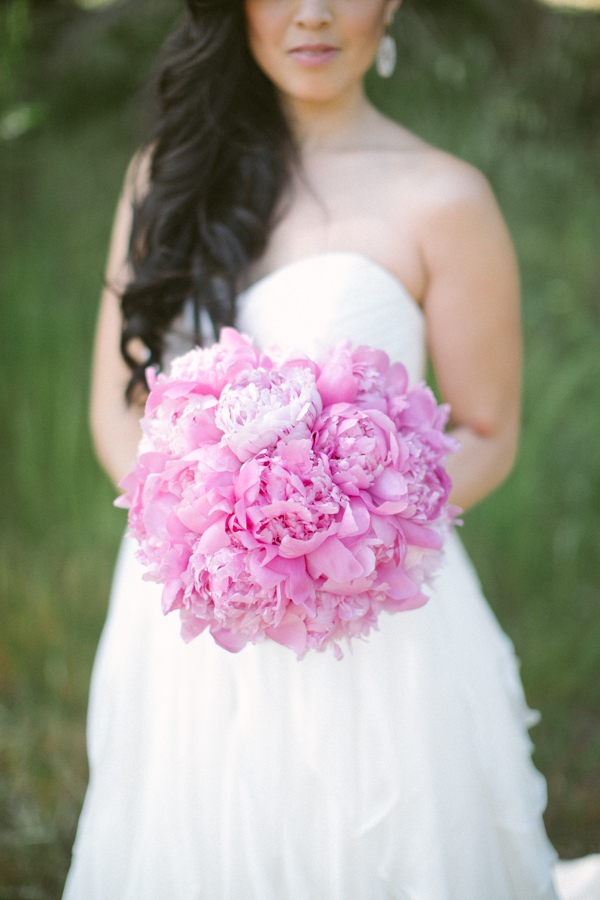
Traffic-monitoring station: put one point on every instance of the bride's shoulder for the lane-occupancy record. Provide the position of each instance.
(448, 209)
(428, 178)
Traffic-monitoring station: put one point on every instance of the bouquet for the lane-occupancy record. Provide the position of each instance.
(275, 497)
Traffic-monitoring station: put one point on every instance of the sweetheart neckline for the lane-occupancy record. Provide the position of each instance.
(312, 257)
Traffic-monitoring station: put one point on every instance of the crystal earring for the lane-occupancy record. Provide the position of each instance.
(385, 61)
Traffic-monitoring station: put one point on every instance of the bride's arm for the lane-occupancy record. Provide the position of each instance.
(472, 310)
(115, 424)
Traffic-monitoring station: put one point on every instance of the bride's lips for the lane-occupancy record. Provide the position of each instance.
(312, 55)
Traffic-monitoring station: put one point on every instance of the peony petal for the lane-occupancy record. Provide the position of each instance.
(416, 601)
(400, 586)
(231, 338)
(267, 577)
(390, 485)
(364, 555)
(420, 535)
(233, 641)
(348, 525)
(172, 596)
(377, 359)
(176, 529)
(333, 560)
(157, 512)
(125, 500)
(191, 625)
(150, 373)
(387, 508)
(348, 588)
(247, 484)
(337, 383)
(193, 517)
(301, 586)
(291, 632)
(291, 547)
(153, 462)
(214, 538)
(359, 519)
(397, 379)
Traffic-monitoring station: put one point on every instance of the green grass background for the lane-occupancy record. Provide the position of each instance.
(535, 541)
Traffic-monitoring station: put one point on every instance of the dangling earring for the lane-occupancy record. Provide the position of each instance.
(385, 61)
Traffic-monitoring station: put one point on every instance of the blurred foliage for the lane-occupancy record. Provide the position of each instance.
(89, 62)
(550, 57)
(15, 30)
(507, 84)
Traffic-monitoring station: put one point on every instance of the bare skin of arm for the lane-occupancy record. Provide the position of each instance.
(115, 424)
(472, 309)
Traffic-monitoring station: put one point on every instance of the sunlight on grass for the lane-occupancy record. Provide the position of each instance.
(574, 4)
(94, 4)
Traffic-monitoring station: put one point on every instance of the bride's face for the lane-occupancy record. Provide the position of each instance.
(315, 50)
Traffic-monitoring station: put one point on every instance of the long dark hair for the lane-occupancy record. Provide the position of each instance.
(220, 157)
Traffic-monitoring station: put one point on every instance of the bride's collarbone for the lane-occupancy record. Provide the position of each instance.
(374, 215)
(363, 234)
(383, 213)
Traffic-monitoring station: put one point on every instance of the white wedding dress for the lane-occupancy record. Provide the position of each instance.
(401, 772)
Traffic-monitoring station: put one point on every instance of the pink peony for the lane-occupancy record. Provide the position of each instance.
(211, 368)
(261, 407)
(288, 499)
(277, 499)
(356, 444)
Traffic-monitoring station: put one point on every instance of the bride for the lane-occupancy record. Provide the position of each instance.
(273, 196)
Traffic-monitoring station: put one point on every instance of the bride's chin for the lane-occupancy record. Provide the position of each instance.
(308, 98)
(317, 90)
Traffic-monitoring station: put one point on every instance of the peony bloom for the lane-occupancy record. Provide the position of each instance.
(211, 368)
(261, 407)
(356, 444)
(288, 499)
(181, 424)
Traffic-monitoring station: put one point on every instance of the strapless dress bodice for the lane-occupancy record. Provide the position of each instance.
(315, 302)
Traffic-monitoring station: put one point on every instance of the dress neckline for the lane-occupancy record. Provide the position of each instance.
(313, 257)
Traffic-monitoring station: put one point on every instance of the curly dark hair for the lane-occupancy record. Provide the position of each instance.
(220, 158)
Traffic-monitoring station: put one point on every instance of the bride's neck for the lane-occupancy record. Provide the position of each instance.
(326, 125)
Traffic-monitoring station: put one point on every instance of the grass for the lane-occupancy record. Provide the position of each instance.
(58, 529)
(535, 541)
